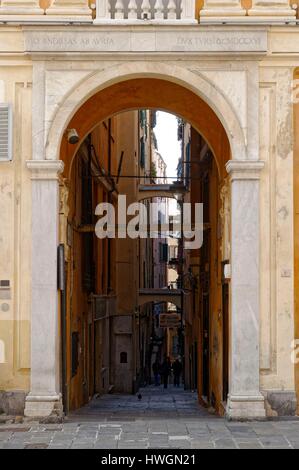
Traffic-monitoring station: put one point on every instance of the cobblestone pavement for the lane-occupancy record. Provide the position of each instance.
(160, 420)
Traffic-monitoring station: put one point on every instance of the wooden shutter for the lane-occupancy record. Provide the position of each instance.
(5, 132)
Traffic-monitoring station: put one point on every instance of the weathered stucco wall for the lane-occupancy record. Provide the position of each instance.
(15, 229)
(277, 254)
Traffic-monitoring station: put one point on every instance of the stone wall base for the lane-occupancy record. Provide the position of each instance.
(280, 403)
(12, 402)
(43, 407)
(245, 407)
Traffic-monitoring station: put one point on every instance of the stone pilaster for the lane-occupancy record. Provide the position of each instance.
(271, 10)
(188, 11)
(44, 398)
(20, 7)
(69, 8)
(103, 12)
(214, 10)
(245, 399)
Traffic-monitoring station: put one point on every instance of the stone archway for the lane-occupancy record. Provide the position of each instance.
(193, 81)
(245, 399)
(149, 93)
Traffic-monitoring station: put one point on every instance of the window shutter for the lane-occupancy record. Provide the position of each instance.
(142, 152)
(5, 132)
(165, 252)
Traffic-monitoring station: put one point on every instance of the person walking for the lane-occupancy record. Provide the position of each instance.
(165, 371)
(156, 371)
(177, 370)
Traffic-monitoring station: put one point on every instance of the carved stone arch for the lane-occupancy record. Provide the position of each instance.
(103, 79)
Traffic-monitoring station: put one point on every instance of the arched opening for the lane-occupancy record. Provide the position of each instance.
(149, 93)
(105, 277)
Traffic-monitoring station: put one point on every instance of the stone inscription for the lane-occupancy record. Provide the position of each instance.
(148, 40)
(66, 43)
(72, 42)
(216, 42)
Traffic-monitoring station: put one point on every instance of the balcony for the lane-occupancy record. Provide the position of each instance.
(173, 296)
(145, 11)
(148, 191)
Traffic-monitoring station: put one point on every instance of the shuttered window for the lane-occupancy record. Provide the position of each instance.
(5, 132)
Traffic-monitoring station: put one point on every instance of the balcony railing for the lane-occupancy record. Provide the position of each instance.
(136, 12)
(145, 10)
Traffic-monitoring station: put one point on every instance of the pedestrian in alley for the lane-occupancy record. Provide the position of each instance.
(165, 371)
(177, 370)
(156, 371)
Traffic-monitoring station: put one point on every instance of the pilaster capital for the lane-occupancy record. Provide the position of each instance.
(45, 169)
(244, 169)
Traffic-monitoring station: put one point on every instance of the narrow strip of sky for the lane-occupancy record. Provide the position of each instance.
(169, 147)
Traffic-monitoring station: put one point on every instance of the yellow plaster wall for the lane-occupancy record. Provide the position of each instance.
(15, 227)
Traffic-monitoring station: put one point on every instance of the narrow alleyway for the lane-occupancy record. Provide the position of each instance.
(156, 402)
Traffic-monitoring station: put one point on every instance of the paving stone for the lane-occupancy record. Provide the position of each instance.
(4, 436)
(295, 445)
(36, 446)
(244, 435)
(65, 444)
(225, 444)
(45, 435)
(161, 438)
(274, 441)
(132, 445)
(14, 428)
(11, 445)
(105, 445)
(249, 445)
(54, 427)
(180, 444)
(82, 446)
(59, 446)
(129, 436)
(201, 444)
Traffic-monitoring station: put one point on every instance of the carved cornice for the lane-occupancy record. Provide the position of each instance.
(45, 169)
(244, 169)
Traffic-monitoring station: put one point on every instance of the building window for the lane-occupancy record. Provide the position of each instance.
(123, 357)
